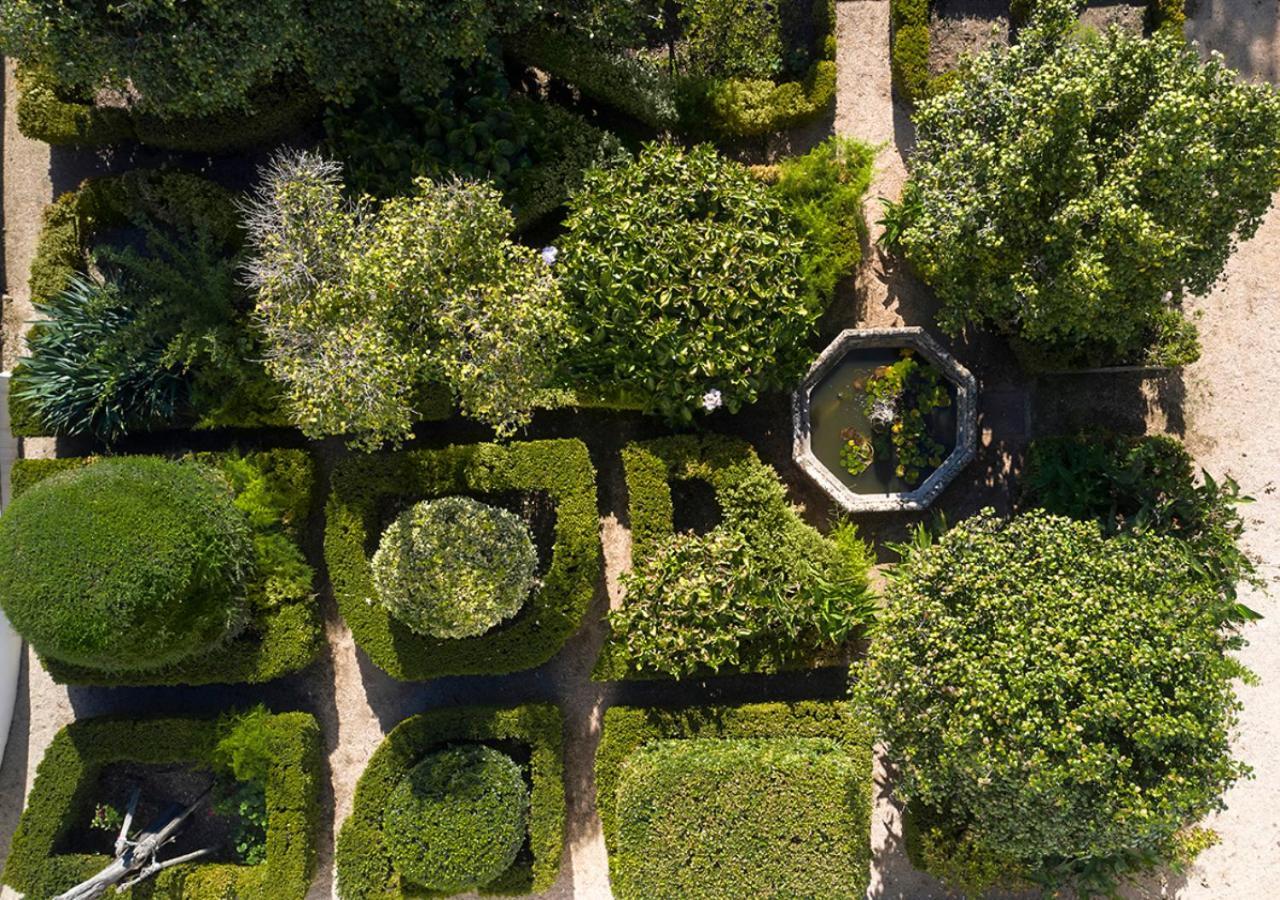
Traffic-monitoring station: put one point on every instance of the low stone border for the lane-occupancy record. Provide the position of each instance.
(966, 420)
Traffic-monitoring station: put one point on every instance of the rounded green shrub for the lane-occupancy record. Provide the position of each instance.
(687, 278)
(458, 819)
(125, 564)
(1060, 699)
(454, 567)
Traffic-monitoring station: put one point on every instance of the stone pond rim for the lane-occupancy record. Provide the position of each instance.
(966, 387)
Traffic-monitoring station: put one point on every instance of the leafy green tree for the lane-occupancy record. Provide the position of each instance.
(686, 276)
(364, 305)
(1072, 188)
(1061, 699)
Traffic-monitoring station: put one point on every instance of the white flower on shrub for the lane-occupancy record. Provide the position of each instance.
(550, 254)
(712, 400)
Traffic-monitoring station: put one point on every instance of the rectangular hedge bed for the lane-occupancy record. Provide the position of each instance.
(532, 732)
(69, 772)
(284, 632)
(651, 468)
(798, 773)
(368, 490)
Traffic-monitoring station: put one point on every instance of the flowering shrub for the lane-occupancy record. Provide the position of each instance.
(454, 567)
(1068, 190)
(363, 305)
(686, 276)
(1061, 699)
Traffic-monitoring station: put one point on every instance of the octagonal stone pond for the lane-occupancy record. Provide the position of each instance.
(847, 442)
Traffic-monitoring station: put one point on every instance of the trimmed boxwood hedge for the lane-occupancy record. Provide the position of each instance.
(46, 114)
(100, 204)
(909, 54)
(725, 107)
(284, 630)
(366, 488)
(364, 868)
(628, 729)
(78, 753)
(650, 467)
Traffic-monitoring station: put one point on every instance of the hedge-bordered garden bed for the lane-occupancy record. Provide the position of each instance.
(651, 468)
(726, 107)
(79, 752)
(627, 729)
(176, 199)
(909, 57)
(364, 868)
(47, 114)
(368, 490)
(283, 634)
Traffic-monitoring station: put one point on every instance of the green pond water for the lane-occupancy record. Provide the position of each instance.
(836, 404)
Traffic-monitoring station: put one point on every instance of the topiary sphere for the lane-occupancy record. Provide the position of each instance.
(458, 819)
(125, 564)
(454, 567)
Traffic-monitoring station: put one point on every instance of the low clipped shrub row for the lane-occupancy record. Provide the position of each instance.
(383, 852)
(759, 592)
(46, 114)
(694, 104)
(713, 803)
(63, 794)
(123, 527)
(368, 491)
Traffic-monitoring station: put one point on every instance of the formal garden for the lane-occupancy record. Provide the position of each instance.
(490, 336)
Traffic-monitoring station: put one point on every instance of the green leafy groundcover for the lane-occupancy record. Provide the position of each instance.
(69, 771)
(367, 488)
(645, 90)
(533, 731)
(46, 113)
(651, 467)
(740, 743)
(98, 205)
(274, 489)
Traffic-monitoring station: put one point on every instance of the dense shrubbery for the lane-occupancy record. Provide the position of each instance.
(131, 563)
(364, 487)
(1060, 700)
(366, 865)
(759, 768)
(363, 305)
(272, 489)
(707, 818)
(454, 567)
(1078, 232)
(1145, 484)
(686, 275)
(760, 590)
(732, 38)
(457, 820)
(156, 338)
(289, 763)
(534, 152)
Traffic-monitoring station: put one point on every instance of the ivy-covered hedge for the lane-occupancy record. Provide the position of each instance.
(723, 462)
(175, 199)
(909, 54)
(274, 489)
(627, 730)
(69, 772)
(368, 490)
(725, 107)
(46, 114)
(532, 732)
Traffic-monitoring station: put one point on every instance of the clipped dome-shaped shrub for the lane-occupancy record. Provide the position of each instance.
(458, 819)
(125, 564)
(454, 567)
